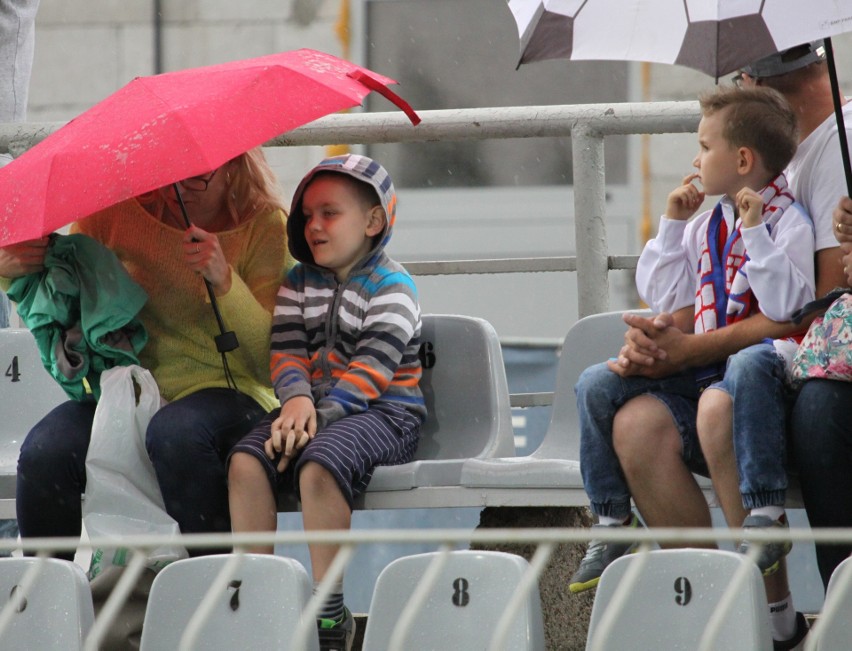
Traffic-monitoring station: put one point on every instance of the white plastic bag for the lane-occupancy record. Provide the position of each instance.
(122, 494)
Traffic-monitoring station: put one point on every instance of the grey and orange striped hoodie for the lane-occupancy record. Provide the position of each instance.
(354, 343)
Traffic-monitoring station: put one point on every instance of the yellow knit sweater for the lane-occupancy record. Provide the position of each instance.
(181, 352)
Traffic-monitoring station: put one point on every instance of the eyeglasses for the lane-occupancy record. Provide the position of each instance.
(737, 79)
(198, 183)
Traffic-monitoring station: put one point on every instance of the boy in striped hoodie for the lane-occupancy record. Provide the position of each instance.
(345, 366)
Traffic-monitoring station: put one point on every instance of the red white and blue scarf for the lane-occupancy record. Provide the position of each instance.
(724, 295)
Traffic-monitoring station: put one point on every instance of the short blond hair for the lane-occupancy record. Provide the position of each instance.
(759, 118)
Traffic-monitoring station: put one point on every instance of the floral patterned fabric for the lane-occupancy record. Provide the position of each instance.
(826, 350)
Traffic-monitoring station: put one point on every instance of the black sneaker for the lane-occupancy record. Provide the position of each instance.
(598, 556)
(798, 637)
(771, 554)
(336, 634)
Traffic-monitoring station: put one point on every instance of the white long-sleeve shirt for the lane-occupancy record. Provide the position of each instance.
(780, 268)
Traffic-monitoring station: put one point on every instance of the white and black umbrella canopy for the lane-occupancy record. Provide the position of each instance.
(715, 36)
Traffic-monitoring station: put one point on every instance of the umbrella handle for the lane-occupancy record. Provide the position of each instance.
(225, 341)
(374, 84)
(838, 114)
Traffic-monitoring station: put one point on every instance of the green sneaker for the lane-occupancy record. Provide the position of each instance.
(337, 634)
(770, 556)
(598, 556)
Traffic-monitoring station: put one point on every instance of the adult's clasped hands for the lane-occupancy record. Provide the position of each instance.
(652, 347)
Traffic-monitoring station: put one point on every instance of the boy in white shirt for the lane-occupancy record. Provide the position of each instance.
(700, 270)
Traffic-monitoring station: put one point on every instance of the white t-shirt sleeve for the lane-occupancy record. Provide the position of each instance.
(817, 178)
(826, 188)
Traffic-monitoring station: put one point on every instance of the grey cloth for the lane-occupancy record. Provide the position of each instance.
(17, 44)
(5, 310)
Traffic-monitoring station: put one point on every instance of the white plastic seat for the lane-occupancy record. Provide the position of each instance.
(673, 598)
(260, 607)
(555, 463)
(28, 393)
(57, 611)
(467, 398)
(833, 629)
(463, 607)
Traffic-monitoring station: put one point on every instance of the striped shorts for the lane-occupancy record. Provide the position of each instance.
(350, 448)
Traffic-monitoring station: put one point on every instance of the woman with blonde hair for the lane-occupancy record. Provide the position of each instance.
(237, 242)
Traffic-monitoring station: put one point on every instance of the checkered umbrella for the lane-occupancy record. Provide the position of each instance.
(715, 36)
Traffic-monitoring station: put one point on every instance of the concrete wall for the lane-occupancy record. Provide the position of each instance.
(86, 49)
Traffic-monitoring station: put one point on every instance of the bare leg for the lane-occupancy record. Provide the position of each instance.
(250, 499)
(323, 509)
(715, 431)
(649, 449)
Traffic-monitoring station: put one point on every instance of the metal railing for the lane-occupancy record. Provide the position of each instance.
(588, 126)
(447, 539)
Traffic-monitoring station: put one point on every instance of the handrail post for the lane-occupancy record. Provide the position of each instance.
(589, 226)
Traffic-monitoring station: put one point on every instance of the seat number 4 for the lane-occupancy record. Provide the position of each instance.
(12, 370)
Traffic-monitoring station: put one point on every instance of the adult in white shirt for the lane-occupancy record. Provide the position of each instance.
(645, 436)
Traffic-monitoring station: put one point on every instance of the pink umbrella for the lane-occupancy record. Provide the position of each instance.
(158, 130)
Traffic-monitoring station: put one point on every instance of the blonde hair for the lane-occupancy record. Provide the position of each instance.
(252, 189)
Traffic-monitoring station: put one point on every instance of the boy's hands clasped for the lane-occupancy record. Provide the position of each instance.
(292, 430)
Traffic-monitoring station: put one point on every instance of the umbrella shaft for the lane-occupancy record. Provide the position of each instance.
(182, 205)
(225, 341)
(838, 114)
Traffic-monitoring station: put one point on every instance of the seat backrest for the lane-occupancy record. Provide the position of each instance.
(464, 384)
(56, 611)
(672, 599)
(590, 340)
(260, 607)
(463, 607)
(28, 392)
(833, 630)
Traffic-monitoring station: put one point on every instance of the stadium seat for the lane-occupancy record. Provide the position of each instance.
(28, 393)
(463, 607)
(467, 398)
(260, 607)
(555, 463)
(671, 598)
(56, 612)
(833, 629)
